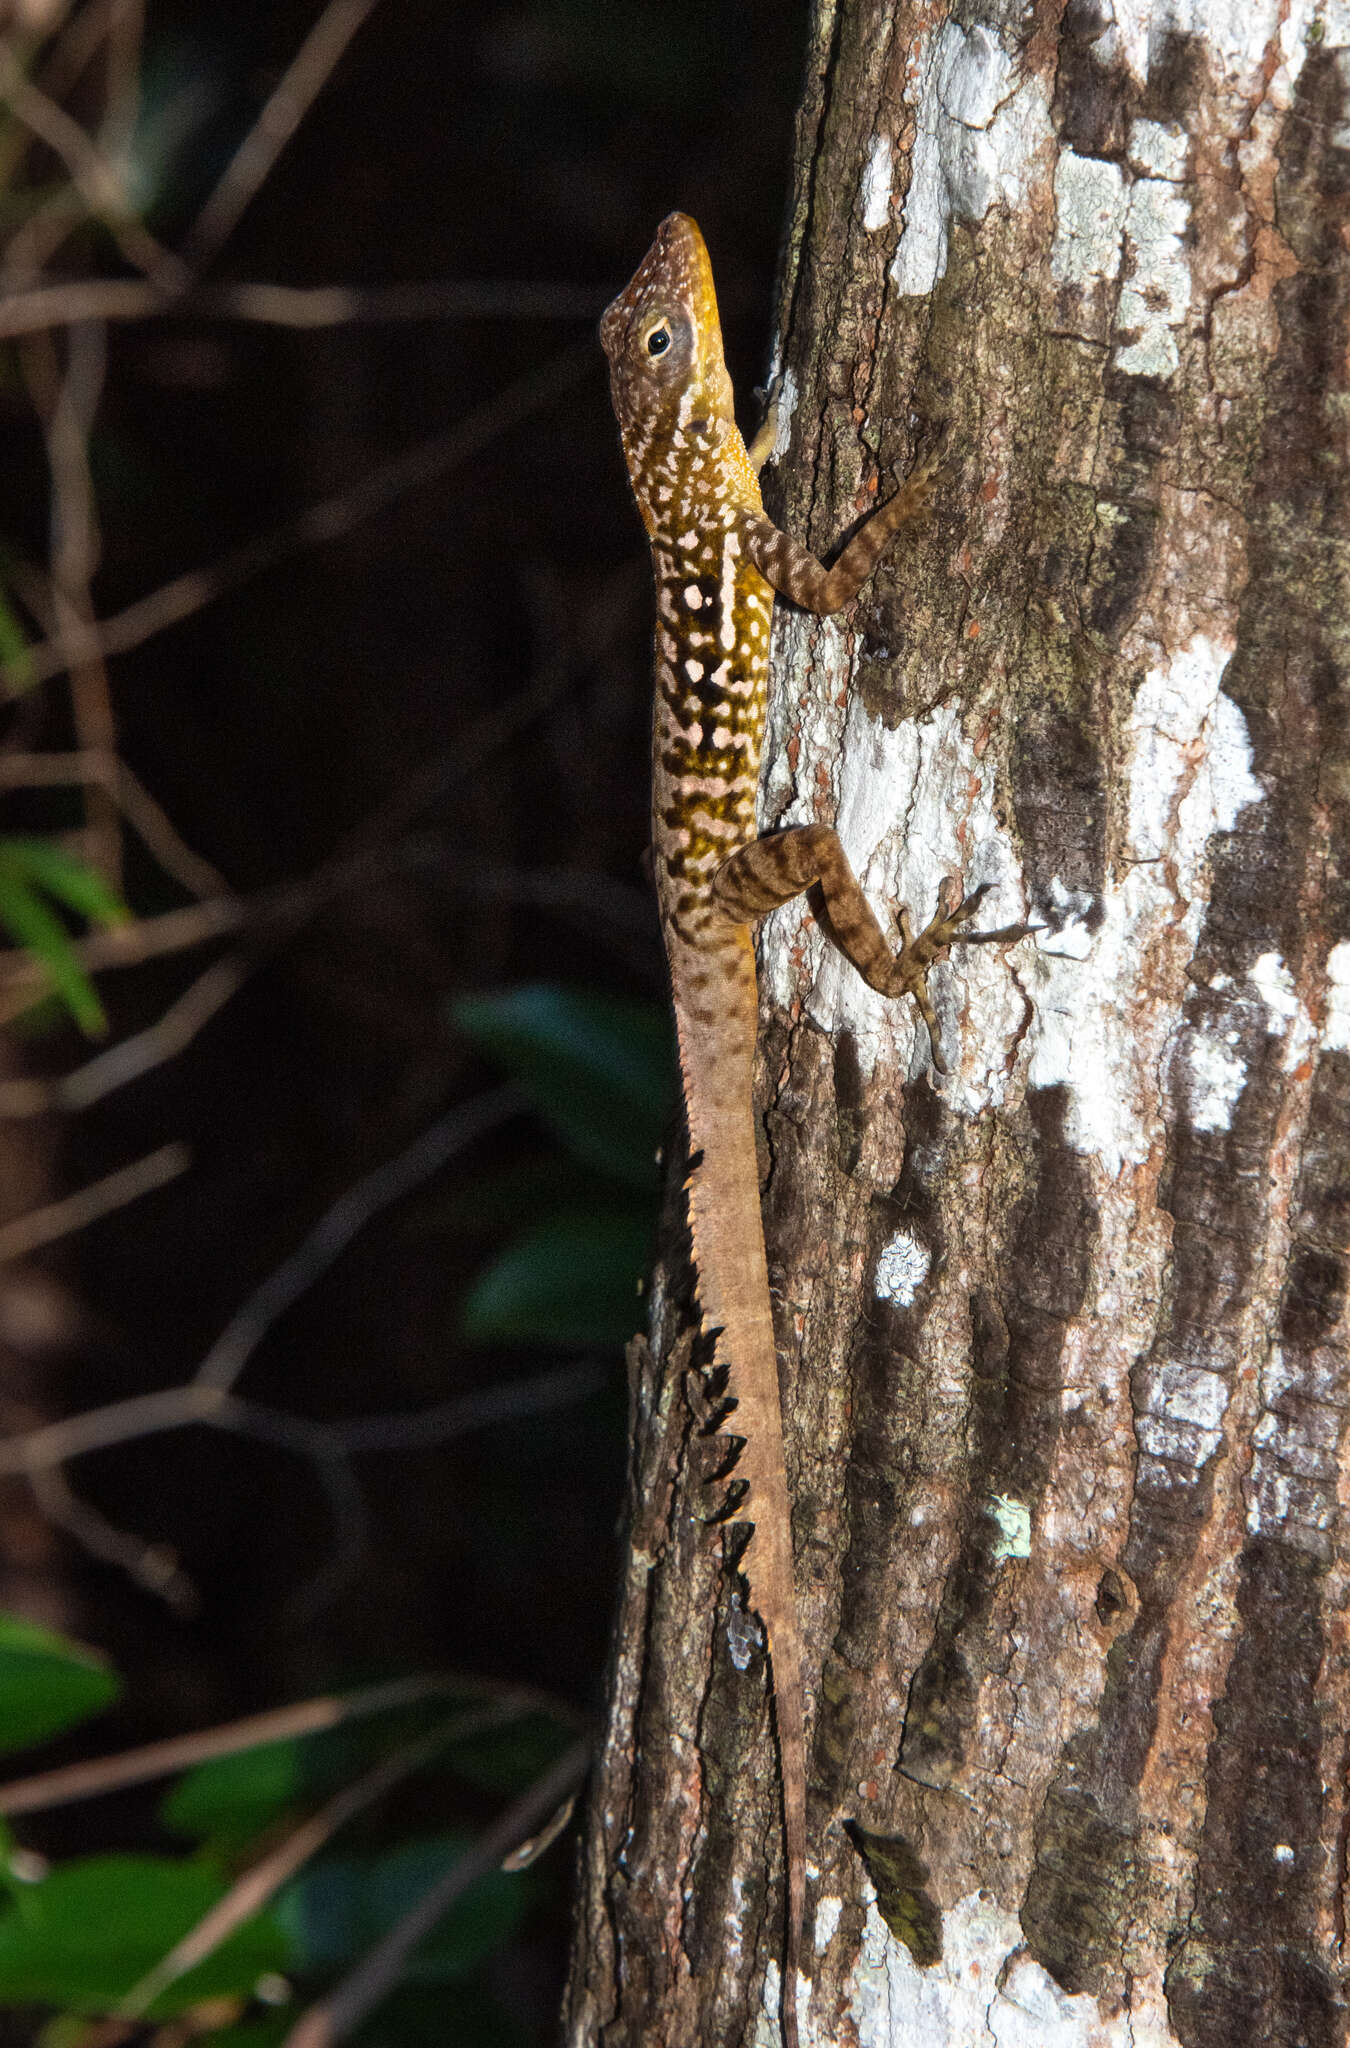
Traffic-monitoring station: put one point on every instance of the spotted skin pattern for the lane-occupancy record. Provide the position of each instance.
(717, 562)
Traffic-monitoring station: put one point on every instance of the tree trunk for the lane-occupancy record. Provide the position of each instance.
(1063, 1336)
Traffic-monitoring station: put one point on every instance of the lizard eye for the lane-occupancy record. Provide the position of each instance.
(658, 341)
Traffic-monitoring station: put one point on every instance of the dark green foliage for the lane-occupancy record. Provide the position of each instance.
(599, 1070)
(47, 1683)
(82, 1936)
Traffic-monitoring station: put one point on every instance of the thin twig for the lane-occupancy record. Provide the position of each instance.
(287, 908)
(126, 33)
(304, 307)
(282, 112)
(75, 548)
(119, 1422)
(327, 520)
(100, 1198)
(334, 2017)
(136, 1055)
(328, 1461)
(459, 1128)
(508, 1401)
(93, 177)
(327, 1446)
(100, 1774)
(33, 244)
(142, 812)
(251, 1891)
(151, 1566)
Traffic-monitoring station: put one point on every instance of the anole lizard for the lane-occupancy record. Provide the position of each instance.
(717, 562)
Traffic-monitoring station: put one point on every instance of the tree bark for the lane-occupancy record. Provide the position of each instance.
(1063, 1337)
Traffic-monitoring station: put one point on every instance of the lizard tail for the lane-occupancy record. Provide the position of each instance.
(716, 1013)
(790, 1724)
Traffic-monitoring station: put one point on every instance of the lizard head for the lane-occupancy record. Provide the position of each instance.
(667, 374)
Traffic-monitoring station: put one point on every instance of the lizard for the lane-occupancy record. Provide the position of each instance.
(717, 562)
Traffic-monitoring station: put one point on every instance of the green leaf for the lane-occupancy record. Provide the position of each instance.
(230, 1799)
(92, 1929)
(342, 1906)
(47, 1683)
(572, 1279)
(599, 1069)
(40, 932)
(31, 868)
(73, 882)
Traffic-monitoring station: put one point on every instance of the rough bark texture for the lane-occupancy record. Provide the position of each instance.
(1063, 1338)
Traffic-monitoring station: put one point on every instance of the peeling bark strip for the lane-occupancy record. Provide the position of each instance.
(1064, 1337)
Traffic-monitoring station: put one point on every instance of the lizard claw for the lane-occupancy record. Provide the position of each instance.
(944, 931)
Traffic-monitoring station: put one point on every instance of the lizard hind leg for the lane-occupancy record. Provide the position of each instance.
(781, 865)
(772, 870)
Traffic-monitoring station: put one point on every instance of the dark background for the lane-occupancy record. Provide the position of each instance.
(288, 720)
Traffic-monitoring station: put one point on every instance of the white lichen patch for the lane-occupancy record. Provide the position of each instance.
(1215, 1077)
(1286, 1014)
(1014, 1526)
(985, 1993)
(978, 127)
(785, 403)
(1336, 1025)
(1239, 34)
(1090, 207)
(1156, 151)
(902, 1269)
(829, 1913)
(1157, 289)
(876, 185)
(1095, 1033)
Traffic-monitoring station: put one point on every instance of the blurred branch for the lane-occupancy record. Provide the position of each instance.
(559, 1387)
(451, 1133)
(152, 1760)
(331, 2019)
(293, 903)
(205, 1399)
(296, 306)
(93, 177)
(284, 109)
(141, 811)
(75, 549)
(327, 1447)
(324, 521)
(100, 1198)
(126, 34)
(136, 1055)
(251, 1891)
(151, 1566)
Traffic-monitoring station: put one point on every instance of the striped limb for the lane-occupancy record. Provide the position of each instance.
(772, 870)
(794, 570)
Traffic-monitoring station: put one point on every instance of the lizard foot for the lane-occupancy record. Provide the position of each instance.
(916, 492)
(933, 943)
(761, 448)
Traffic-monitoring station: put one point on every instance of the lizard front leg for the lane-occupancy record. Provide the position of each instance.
(772, 870)
(794, 570)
